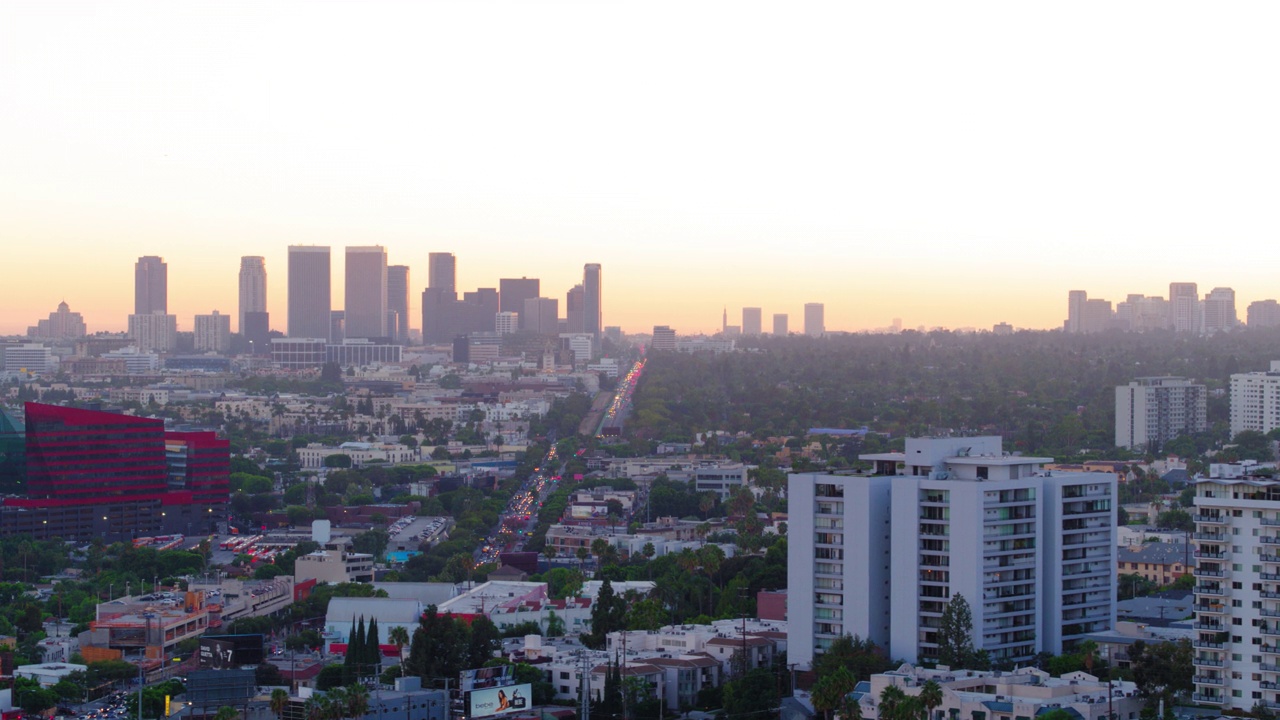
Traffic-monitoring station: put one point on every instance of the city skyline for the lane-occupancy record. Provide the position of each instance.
(714, 167)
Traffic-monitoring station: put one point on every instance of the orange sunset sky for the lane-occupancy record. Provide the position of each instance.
(950, 164)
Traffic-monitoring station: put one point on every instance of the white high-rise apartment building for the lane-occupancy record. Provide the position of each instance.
(253, 287)
(1237, 593)
(1220, 310)
(1186, 314)
(213, 333)
(156, 332)
(879, 556)
(1155, 410)
(505, 323)
(1255, 400)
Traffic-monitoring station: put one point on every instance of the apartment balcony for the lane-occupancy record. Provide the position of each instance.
(1264, 612)
(1205, 555)
(1268, 667)
(1207, 662)
(1213, 627)
(1205, 572)
(1207, 680)
(1269, 521)
(1208, 645)
(1269, 595)
(1269, 540)
(1272, 632)
(1270, 649)
(1269, 558)
(1209, 590)
(1209, 536)
(1207, 699)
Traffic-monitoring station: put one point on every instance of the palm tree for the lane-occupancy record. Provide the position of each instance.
(314, 708)
(357, 700)
(891, 701)
(335, 704)
(399, 636)
(830, 692)
(930, 697)
(279, 701)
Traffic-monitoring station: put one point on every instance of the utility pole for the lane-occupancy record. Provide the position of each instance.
(584, 686)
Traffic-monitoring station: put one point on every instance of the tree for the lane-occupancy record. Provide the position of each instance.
(830, 690)
(1161, 670)
(754, 695)
(399, 636)
(930, 697)
(1176, 520)
(226, 712)
(955, 634)
(279, 701)
(861, 657)
(337, 460)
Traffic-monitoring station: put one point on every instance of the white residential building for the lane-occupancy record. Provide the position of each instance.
(32, 357)
(361, 453)
(505, 323)
(1237, 592)
(155, 332)
(213, 333)
(881, 555)
(1255, 400)
(1154, 410)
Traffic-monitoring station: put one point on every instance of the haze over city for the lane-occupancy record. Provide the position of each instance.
(950, 166)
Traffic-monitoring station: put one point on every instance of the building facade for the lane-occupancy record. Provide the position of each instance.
(815, 324)
(150, 286)
(751, 321)
(156, 332)
(213, 333)
(309, 291)
(1255, 400)
(398, 302)
(366, 292)
(1237, 593)
(881, 555)
(780, 325)
(61, 323)
(1151, 411)
(593, 300)
(253, 288)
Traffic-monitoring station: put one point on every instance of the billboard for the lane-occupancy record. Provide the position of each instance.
(219, 652)
(499, 700)
(484, 677)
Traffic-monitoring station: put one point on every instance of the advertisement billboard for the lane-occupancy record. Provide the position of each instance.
(499, 700)
(219, 652)
(484, 677)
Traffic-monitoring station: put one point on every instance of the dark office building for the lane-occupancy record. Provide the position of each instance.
(257, 332)
(98, 474)
(444, 317)
(514, 291)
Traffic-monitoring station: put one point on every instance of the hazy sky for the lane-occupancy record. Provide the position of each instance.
(951, 164)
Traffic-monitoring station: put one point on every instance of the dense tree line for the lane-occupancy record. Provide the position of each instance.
(1049, 392)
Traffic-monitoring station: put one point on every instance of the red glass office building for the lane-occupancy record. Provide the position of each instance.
(101, 474)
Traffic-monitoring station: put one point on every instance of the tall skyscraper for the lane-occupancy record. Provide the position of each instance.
(512, 292)
(309, 293)
(150, 286)
(442, 274)
(1151, 411)
(814, 322)
(574, 309)
(1261, 314)
(213, 333)
(253, 288)
(1220, 310)
(398, 301)
(880, 555)
(1075, 310)
(751, 321)
(593, 299)
(780, 325)
(366, 292)
(1185, 313)
(541, 315)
